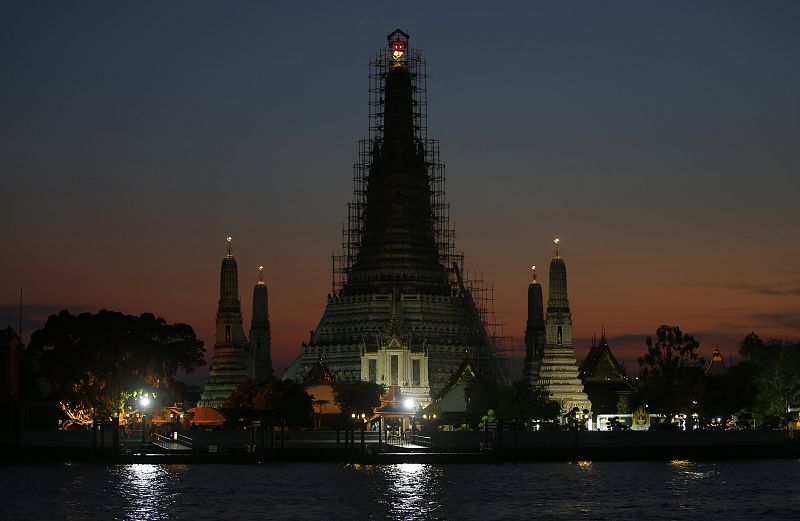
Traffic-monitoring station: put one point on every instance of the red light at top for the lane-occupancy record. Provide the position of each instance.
(399, 45)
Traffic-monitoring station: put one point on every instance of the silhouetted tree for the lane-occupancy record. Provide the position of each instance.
(275, 398)
(95, 362)
(727, 394)
(671, 371)
(524, 402)
(776, 368)
(358, 397)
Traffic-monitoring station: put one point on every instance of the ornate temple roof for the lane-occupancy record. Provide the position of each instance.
(319, 374)
(463, 375)
(601, 366)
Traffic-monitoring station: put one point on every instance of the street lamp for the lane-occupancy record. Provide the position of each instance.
(410, 405)
(144, 401)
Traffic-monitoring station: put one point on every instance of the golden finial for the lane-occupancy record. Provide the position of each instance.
(261, 274)
(556, 241)
(230, 245)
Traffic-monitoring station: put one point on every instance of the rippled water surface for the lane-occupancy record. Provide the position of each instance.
(768, 489)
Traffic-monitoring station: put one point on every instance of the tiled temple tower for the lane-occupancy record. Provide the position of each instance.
(235, 358)
(535, 333)
(260, 335)
(399, 275)
(558, 372)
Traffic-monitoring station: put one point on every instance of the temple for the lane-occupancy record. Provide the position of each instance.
(716, 367)
(557, 370)
(399, 310)
(604, 379)
(235, 358)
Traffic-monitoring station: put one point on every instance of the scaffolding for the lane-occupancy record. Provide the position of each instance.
(481, 296)
(352, 231)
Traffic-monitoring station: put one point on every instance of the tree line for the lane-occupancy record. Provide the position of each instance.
(758, 390)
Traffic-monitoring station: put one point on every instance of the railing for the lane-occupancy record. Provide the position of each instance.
(408, 440)
(176, 442)
(416, 439)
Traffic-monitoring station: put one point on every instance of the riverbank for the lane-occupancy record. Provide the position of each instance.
(442, 447)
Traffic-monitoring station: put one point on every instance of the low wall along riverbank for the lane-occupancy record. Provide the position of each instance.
(248, 445)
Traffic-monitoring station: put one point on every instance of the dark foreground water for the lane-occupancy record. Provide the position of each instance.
(768, 489)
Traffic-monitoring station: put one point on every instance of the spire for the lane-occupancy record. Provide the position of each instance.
(534, 329)
(260, 302)
(558, 301)
(397, 245)
(230, 246)
(260, 336)
(535, 304)
(229, 282)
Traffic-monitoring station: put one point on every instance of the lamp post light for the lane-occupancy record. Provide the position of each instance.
(411, 406)
(144, 401)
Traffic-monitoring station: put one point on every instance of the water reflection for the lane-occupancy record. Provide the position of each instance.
(148, 491)
(412, 490)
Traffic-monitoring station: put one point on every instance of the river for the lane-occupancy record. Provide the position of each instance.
(759, 489)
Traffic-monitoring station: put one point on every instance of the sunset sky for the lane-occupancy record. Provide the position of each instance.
(659, 140)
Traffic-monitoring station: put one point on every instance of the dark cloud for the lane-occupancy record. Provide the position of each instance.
(793, 292)
(789, 320)
(778, 290)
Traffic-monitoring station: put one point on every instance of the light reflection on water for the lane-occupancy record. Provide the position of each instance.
(413, 490)
(580, 490)
(147, 490)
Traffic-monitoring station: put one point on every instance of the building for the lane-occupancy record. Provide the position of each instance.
(604, 379)
(452, 404)
(237, 359)
(398, 295)
(558, 372)
(394, 364)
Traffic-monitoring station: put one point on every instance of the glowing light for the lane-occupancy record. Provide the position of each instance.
(398, 48)
(144, 401)
(229, 239)
(409, 404)
(556, 240)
